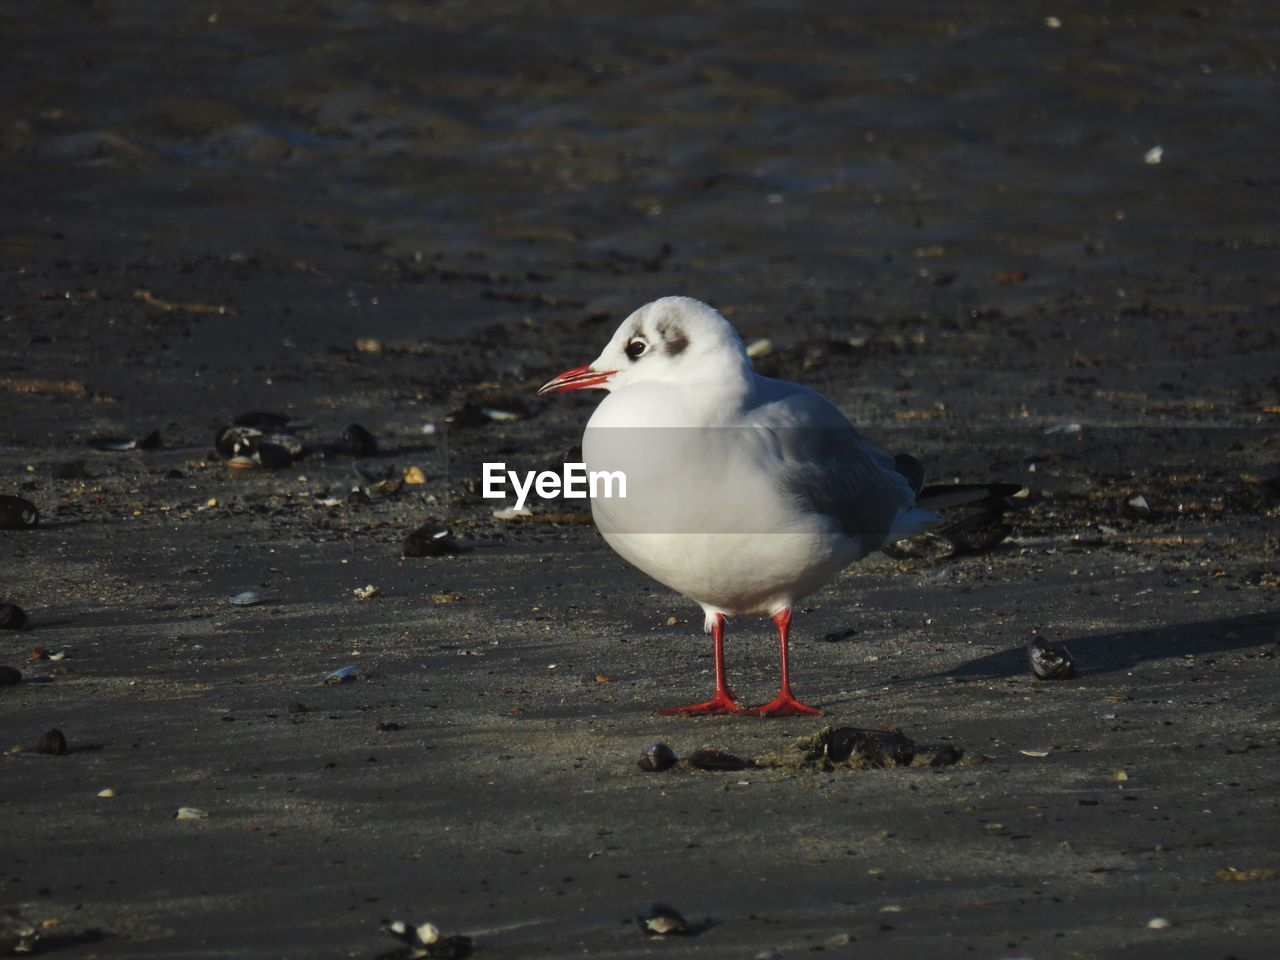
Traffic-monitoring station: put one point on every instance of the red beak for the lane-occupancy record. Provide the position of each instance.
(579, 378)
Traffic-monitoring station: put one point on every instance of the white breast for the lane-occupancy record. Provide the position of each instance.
(713, 508)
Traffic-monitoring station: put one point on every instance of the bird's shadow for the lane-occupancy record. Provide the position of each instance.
(58, 524)
(53, 943)
(46, 624)
(87, 748)
(1119, 651)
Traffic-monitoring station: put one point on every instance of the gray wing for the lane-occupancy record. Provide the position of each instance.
(826, 467)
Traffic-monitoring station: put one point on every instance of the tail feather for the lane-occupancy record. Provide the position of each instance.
(941, 496)
(911, 522)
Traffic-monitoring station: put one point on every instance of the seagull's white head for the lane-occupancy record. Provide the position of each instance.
(675, 339)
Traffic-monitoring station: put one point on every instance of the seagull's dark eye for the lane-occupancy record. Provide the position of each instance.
(635, 348)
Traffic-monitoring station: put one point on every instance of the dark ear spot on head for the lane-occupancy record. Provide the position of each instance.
(673, 337)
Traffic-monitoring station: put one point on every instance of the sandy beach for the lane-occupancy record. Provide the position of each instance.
(1035, 248)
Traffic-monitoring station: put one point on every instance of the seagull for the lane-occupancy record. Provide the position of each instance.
(742, 492)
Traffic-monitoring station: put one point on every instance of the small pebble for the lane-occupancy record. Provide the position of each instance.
(1138, 507)
(1159, 923)
(247, 599)
(942, 756)
(107, 793)
(429, 542)
(424, 940)
(191, 813)
(512, 513)
(367, 592)
(237, 441)
(928, 546)
(342, 675)
(17, 513)
(1070, 426)
(1049, 662)
(52, 742)
(275, 455)
(656, 758)
(358, 442)
(12, 617)
(17, 936)
(118, 444)
(660, 920)
(874, 748)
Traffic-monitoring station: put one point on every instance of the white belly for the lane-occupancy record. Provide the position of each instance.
(737, 574)
(704, 518)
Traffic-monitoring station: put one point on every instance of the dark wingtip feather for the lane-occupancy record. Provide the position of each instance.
(936, 496)
(912, 469)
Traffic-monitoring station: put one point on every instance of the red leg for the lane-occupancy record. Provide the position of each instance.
(723, 701)
(784, 704)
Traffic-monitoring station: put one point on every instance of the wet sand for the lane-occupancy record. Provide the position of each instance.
(944, 222)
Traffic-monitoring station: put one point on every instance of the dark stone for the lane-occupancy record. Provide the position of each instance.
(869, 748)
(1049, 662)
(429, 541)
(943, 756)
(17, 514)
(52, 742)
(358, 442)
(656, 758)
(273, 455)
(237, 441)
(12, 617)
